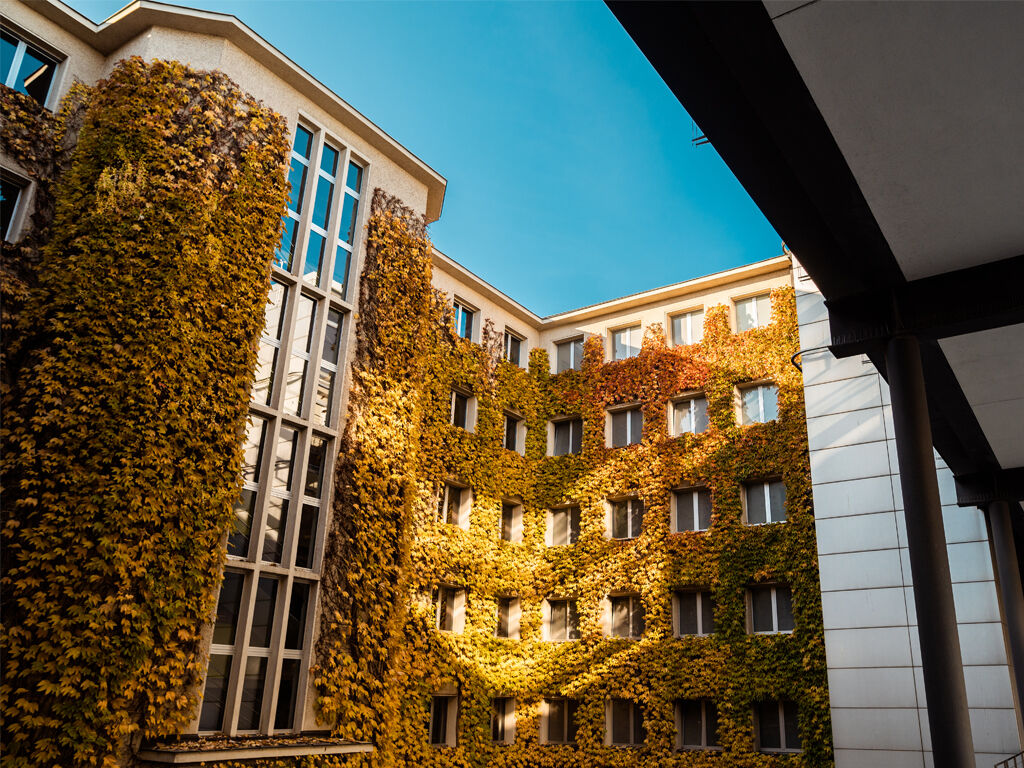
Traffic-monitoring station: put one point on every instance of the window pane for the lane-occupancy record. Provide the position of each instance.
(562, 436)
(252, 694)
(511, 430)
(558, 626)
(703, 510)
(303, 141)
(750, 406)
(284, 460)
(454, 506)
(790, 715)
(756, 512)
(228, 605)
(746, 317)
(577, 353)
(305, 323)
(508, 512)
(314, 258)
(277, 299)
(504, 605)
(571, 708)
(329, 160)
(263, 613)
(263, 381)
(636, 517)
(348, 219)
(342, 260)
(707, 613)
(355, 177)
(636, 426)
(711, 723)
(332, 337)
(297, 179)
(563, 356)
(636, 619)
(286, 248)
(777, 500)
(784, 603)
(273, 538)
(761, 602)
(556, 720)
(574, 524)
(324, 401)
(620, 427)
(638, 724)
(295, 629)
(315, 466)
(559, 527)
(700, 414)
(305, 541)
(681, 417)
(686, 603)
(620, 616)
(322, 202)
(460, 405)
(679, 335)
(498, 719)
(621, 726)
(576, 432)
(287, 692)
(252, 454)
(572, 621)
(238, 539)
(770, 399)
(439, 720)
(620, 520)
(768, 725)
(211, 716)
(764, 310)
(684, 510)
(8, 47)
(690, 715)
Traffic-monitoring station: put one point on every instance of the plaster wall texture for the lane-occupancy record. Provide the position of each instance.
(879, 715)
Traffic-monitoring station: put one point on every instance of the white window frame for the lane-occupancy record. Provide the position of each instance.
(690, 399)
(507, 347)
(465, 504)
(760, 386)
(636, 711)
(320, 144)
(514, 617)
(551, 435)
(11, 76)
(458, 612)
(764, 485)
(703, 594)
(636, 605)
(630, 331)
(516, 532)
(471, 408)
(687, 316)
(566, 509)
(784, 749)
(571, 607)
(759, 322)
(520, 436)
(571, 710)
(575, 364)
(462, 307)
(508, 719)
(451, 702)
(705, 746)
(609, 519)
(633, 411)
(21, 207)
(774, 587)
(695, 511)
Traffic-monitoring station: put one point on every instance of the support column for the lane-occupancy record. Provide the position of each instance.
(1011, 596)
(941, 662)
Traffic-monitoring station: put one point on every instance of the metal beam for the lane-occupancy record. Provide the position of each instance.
(1011, 596)
(981, 488)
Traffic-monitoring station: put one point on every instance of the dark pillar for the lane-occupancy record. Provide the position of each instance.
(941, 662)
(1011, 595)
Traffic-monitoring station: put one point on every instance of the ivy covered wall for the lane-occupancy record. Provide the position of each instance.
(381, 658)
(129, 355)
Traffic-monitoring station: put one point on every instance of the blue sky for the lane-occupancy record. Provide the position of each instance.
(571, 174)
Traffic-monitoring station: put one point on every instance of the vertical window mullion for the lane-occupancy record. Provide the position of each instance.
(695, 495)
(775, 611)
(19, 55)
(769, 517)
(277, 637)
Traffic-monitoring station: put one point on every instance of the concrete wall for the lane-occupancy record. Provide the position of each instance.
(871, 641)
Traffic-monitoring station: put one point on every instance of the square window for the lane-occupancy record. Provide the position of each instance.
(562, 620)
(453, 504)
(695, 612)
(755, 312)
(563, 526)
(758, 403)
(696, 724)
(770, 609)
(25, 68)
(568, 437)
(625, 616)
(690, 415)
(688, 328)
(626, 343)
(692, 510)
(765, 502)
(558, 721)
(625, 723)
(627, 427)
(513, 352)
(569, 355)
(625, 518)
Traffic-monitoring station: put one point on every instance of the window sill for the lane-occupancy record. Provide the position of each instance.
(204, 749)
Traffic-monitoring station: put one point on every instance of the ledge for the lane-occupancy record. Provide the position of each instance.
(203, 750)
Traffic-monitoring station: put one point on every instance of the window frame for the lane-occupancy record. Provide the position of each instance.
(511, 335)
(459, 600)
(515, 525)
(575, 364)
(513, 621)
(765, 485)
(552, 432)
(465, 503)
(705, 704)
(635, 327)
(520, 434)
(781, 709)
(630, 501)
(774, 586)
(688, 315)
(674, 509)
(45, 53)
(22, 204)
(572, 533)
(691, 398)
(471, 409)
(753, 297)
(636, 615)
(636, 728)
(569, 725)
(450, 701)
(633, 413)
(572, 629)
(760, 386)
(507, 713)
(463, 309)
(703, 594)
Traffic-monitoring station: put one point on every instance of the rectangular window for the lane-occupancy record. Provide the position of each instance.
(252, 450)
(503, 716)
(688, 328)
(508, 618)
(251, 704)
(759, 403)
(238, 538)
(11, 190)
(770, 609)
(323, 200)
(454, 503)
(511, 521)
(692, 510)
(627, 427)
(513, 438)
(559, 721)
(263, 612)
(626, 518)
(297, 171)
(569, 355)
(626, 616)
(450, 609)
(696, 724)
(270, 343)
(765, 502)
(513, 348)
(295, 383)
(695, 613)
(626, 343)
(464, 317)
(215, 693)
(287, 693)
(755, 312)
(777, 725)
(305, 544)
(563, 621)
(323, 400)
(347, 230)
(563, 526)
(443, 716)
(625, 723)
(460, 409)
(689, 416)
(25, 68)
(568, 437)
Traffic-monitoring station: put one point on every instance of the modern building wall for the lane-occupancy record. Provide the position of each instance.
(879, 714)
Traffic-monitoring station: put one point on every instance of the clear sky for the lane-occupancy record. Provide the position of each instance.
(572, 178)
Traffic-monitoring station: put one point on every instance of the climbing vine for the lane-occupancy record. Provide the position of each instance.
(141, 297)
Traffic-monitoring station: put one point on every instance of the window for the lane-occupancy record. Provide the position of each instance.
(454, 504)
(222, 651)
(759, 403)
(444, 714)
(625, 518)
(302, 343)
(503, 720)
(323, 400)
(568, 437)
(688, 328)
(298, 169)
(512, 521)
(508, 618)
(777, 726)
(696, 724)
(513, 348)
(561, 621)
(317, 240)
(462, 410)
(627, 427)
(624, 723)
(695, 612)
(11, 190)
(625, 616)
(690, 415)
(450, 609)
(692, 510)
(558, 721)
(563, 526)
(514, 438)
(765, 502)
(463, 320)
(569, 355)
(626, 343)
(281, 494)
(770, 609)
(270, 343)
(347, 230)
(755, 312)
(26, 69)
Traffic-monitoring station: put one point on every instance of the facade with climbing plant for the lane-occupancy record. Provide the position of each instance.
(282, 480)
